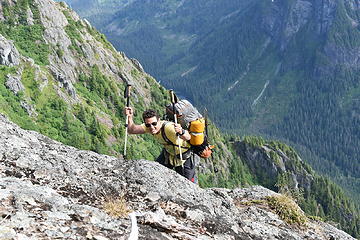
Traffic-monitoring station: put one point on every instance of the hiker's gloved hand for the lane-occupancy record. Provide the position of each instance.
(128, 111)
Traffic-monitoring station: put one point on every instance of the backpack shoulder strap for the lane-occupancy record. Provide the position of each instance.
(163, 134)
(166, 139)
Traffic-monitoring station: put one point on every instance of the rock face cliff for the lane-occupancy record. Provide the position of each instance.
(49, 190)
(269, 161)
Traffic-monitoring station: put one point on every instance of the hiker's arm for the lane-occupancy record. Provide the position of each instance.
(183, 134)
(132, 127)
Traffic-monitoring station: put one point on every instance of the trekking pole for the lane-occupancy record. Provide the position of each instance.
(172, 95)
(127, 97)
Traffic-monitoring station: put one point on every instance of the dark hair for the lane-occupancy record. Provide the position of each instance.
(149, 114)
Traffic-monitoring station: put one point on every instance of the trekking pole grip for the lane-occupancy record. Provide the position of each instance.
(172, 96)
(127, 94)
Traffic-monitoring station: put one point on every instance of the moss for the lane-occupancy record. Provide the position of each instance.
(135, 73)
(73, 30)
(10, 103)
(62, 4)
(315, 218)
(250, 202)
(29, 41)
(59, 51)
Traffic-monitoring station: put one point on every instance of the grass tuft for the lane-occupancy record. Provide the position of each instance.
(287, 209)
(117, 207)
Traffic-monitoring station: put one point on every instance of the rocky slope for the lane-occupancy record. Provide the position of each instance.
(49, 190)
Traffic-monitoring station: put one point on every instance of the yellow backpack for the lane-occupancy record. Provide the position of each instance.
(197, 131)
(190, 119)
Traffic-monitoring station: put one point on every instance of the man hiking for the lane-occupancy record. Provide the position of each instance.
(172, 136)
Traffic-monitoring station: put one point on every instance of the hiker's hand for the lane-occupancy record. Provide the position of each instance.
(182, 133)
(128, 111)
(178, 129)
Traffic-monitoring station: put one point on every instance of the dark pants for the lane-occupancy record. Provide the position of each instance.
(187, 171)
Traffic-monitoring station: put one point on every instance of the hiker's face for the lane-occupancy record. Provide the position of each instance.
(153, 124)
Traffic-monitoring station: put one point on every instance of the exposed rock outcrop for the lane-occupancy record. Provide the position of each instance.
(299, 16)
(137, 64)
(14, 83)
(64, 82)
(269, 163)
(9, 55)
(48, 190)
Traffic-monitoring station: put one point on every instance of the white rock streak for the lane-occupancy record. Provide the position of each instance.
(262, 92)
(241, 77)
(189, 71)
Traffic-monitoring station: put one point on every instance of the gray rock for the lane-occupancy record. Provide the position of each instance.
(9, 55)
(299, 16)
(7, 232)
(51, 16)
(29, 108)
(64, 82)
(137, 64)
(58, 192)
(259, 158)
(30, 17)
(13, 82)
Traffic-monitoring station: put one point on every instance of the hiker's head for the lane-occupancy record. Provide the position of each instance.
(149, 114)
(152, 121)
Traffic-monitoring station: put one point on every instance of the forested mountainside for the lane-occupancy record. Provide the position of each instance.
(62, 78)
(286, 69)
